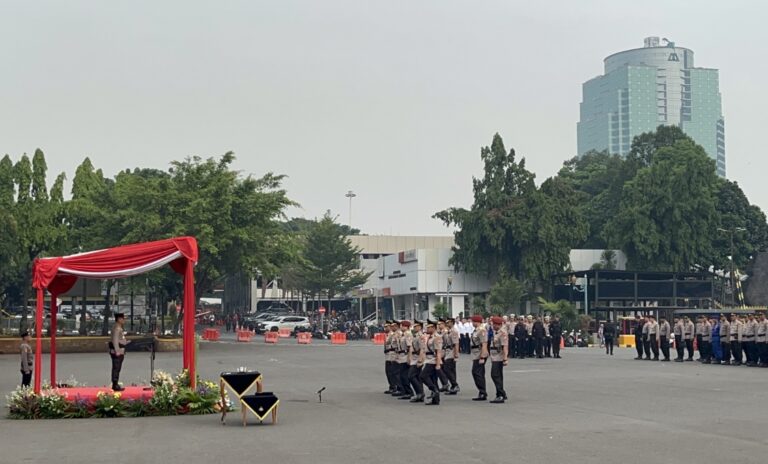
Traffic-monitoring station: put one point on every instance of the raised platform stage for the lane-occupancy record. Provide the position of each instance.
(89, 394)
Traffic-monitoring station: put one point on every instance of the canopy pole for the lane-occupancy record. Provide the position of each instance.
(39, 340)
(54, 326)
(189, 319)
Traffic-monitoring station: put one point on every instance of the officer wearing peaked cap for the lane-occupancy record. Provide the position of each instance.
(390, 356)
(432, 362)
(404, 340)
(414, 361)
(479, 347)
(499, 348)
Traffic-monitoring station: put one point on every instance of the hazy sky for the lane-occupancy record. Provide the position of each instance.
(392, 99)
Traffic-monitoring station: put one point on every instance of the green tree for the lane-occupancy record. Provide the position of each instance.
(331, 263)
(734, 212)
(607, 260)
(667, 214)
(565, 310)
(505, 296)
(514, 228)
(441, 311)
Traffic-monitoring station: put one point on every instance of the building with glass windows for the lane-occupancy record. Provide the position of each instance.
(647, 87)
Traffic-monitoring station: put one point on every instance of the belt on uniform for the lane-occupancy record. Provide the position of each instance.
(475, 347)
(402, 352)
(493, 348)
(748, 336)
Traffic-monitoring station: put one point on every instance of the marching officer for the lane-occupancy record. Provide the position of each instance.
(664, 333)
(479, 347)
(432, 363)
(499, 358)
(404, 339)
(725, 339)
(414, 362)
(688, 337)
(390, 356)
(556, 331)
(450, 355)
(442, 376)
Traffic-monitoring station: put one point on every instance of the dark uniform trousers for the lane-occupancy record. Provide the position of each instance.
(497, 375)
(654, 346)
(449, 367)
(689, 347)
(608, 344)
(679, 346)
(556, 345)
(512, 345)
(389, 369)
(117, 365)
(726, 348)
(548, 347)
(26, 378)
(522, 347)
(700, 346)
(539, 346)
(736, 351)
(762, 349)
(429, 377)
(405, 383)
(664, 346)
(749, 352)
(639, 345)
(647, 347)
(478, 375)
(441, 374)
(414, 373)
(705, 351)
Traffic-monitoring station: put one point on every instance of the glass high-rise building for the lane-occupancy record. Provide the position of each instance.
(647, 87)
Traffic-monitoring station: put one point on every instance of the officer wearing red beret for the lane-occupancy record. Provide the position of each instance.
(499, 355)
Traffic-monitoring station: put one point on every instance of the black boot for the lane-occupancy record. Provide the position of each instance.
(480, 397)
(434, 400)
(498, 400)
(117, 388)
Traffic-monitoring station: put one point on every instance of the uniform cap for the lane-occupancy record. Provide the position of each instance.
(119, 315)
(416, 322)
(530, 317)
(477, 318)
(443, 320)
(451, 319)
(431, 323)
(395, 322)
(405, 323)
(497, 320)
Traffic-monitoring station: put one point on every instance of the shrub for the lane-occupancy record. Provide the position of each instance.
(108, 405)
(23, 404)
(52, 405)
(165, 400)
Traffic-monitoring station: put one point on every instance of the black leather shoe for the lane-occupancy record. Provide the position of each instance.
(497, 400)
(405, 397)
(117, 388)
(480, 398)
(417, 399)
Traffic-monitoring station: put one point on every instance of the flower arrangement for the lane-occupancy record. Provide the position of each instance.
(171, 395)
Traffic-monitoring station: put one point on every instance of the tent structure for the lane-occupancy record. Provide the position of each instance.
(59, 274)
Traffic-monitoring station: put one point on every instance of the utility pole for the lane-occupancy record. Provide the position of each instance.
(731, 232)
(350, 194)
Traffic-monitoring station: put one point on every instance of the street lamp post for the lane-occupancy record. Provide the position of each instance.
(350, 194)
(731, 232)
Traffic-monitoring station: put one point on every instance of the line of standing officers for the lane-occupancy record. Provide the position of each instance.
(727, 340)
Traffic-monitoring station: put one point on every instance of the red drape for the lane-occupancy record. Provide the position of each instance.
(59, 274)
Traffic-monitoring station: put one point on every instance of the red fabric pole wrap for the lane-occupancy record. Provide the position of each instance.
(189, 319)
(39, 341)
(54, 324)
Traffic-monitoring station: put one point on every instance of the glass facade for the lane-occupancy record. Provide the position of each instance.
(644, 88)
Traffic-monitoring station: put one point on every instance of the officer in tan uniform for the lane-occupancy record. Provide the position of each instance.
(705, 349)
(737, 328)
(725, 340)
(750, 334)
(688, 335)
(762, 340)
(432, 356)
(665, 330)
(404, 338)
(26, 360)
(390, 358)
(479, 346)
(499, 350)
(117, 350)
(414, 363)
(450, 355)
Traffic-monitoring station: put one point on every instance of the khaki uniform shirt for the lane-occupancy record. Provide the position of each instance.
(725, 330)
(706, 332)
(750, 330)
(664, 329)
(737, 329)
(762, 331)
(449, 341)
(434, 345)
(679, 329)
(499, 341)
(390, 348)
(479, 336)
(118, 340)
(416, 347)
(654, 329)
(26, 358)
(647, 330)
(690, 329)
(403, 345)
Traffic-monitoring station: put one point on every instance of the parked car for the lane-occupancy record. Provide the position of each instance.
(284, 322)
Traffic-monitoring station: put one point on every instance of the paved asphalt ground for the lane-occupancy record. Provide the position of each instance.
(586, 407)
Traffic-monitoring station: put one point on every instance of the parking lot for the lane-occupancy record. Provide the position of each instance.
(584, 407)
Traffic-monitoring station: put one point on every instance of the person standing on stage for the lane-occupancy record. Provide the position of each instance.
(499, 350)
(117, 350)
(479, 346)
(26, 360)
